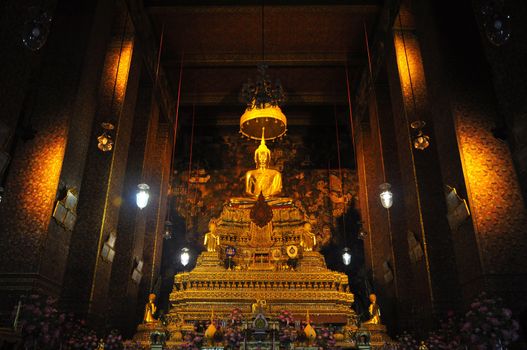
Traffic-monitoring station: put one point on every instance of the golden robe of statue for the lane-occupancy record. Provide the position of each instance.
(262, 179)
(150, 309)
(374, 310)
(212, 240)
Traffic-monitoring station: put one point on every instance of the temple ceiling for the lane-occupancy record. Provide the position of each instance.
(305, 46)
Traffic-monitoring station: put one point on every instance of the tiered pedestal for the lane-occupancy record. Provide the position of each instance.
(310, 287)
(144, 330)
(378, 335)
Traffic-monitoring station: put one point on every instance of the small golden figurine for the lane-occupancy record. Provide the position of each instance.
(374, 310)
(150, 309)
(308, 239)
(258, 307)
(212, 240)
(422, 346)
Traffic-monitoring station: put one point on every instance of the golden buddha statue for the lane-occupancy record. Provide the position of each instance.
(263, 179)
(150, 309)
(374, 311)
(308, 239)
(212, 240)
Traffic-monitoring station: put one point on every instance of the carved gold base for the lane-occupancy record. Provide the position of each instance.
(144, 330)
(322, 292)
(379, 337)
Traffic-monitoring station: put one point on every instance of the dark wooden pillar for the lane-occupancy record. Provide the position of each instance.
(88, 270)
(58, 107)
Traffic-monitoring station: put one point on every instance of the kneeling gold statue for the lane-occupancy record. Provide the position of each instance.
(150, 309)
(374, 310)
(212, 240)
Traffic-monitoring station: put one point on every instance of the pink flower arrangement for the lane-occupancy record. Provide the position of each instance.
(43, 327)
(286, 317)
(407, 342)
(325, 339)
(192, 341)
(236, 316)
(488, 324)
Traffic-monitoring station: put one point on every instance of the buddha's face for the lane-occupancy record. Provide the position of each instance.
(262, 159)
(373, 298)
(152, 297)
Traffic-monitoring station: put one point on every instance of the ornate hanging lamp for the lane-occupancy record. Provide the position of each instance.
(263, 99)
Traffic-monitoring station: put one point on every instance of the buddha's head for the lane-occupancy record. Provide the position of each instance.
(262, 155)
(212, 225)
(152, 297)
(373, 298)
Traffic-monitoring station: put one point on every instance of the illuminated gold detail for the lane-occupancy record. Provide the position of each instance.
(270, 117)
(309, 331)
(150, 309)
(374, 311)
(212, 240)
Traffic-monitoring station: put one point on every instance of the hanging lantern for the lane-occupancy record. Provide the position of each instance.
(362, 232)
(346, 256)
(185, 256)
(263, 99)
(420, 141)
(105, 140)
(386, 195)
(36, 29)
(142, 195)
(168, 230)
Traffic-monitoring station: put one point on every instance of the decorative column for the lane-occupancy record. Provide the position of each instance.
(490, 245)
(93, 241)
(56, 117)
(159, 153)
(429, 242)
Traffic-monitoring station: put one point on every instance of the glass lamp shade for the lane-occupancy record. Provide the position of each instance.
(346, 256)
(105, 142)
(421, 141)
(36, 30)
(185, 256)
(142, 195)
(362, 233)
(386, 195)
(168, 229)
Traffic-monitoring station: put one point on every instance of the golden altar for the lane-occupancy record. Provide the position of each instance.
(260, 251)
